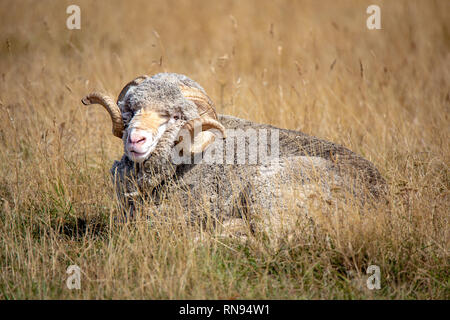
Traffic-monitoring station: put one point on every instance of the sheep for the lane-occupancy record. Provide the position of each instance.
(167, 117)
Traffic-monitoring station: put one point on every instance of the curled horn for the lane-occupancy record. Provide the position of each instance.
(206, 124)
(205, 107)
(111, 107)
(198, 129)
(204, 104)
(208, 118)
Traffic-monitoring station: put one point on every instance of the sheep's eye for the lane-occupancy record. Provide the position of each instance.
(176, 117)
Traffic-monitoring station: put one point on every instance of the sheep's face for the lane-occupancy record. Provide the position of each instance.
(144, 131)
(149, 108)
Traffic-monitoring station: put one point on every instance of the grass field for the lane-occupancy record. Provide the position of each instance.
(306, 65)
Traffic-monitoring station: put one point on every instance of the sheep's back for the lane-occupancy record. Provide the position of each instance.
(295, 143)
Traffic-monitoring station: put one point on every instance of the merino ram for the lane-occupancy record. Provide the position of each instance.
(167, 123)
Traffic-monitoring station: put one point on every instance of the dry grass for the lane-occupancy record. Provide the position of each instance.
(306, 65)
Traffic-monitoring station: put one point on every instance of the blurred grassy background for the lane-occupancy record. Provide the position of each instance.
(306, 65)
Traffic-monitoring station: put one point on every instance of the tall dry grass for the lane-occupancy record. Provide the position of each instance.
(306, 65)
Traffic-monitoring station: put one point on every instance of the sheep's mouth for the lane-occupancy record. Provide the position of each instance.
(138, 156)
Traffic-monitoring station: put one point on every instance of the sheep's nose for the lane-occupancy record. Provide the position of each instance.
(136, 138)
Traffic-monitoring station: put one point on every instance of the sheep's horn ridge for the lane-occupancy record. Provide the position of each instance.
(111, 107)
(206, 124)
